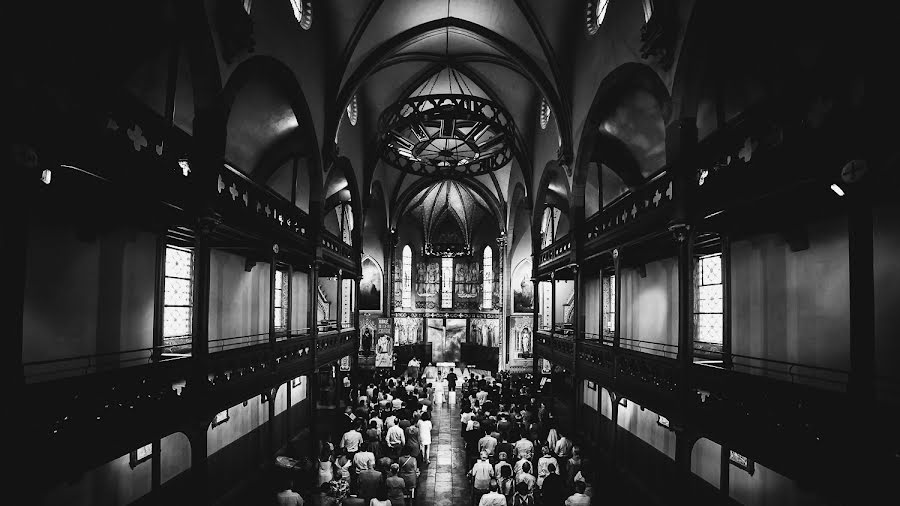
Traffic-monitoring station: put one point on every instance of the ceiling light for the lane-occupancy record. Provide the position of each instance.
(837, 189)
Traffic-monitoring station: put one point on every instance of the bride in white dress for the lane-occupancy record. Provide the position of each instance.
(440, 387)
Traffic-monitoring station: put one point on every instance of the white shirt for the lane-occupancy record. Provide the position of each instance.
(351, 440)
(395, 436)
(492, 499)
(577, 499)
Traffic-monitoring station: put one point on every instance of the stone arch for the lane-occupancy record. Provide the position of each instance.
(598, 142)
(276, 73)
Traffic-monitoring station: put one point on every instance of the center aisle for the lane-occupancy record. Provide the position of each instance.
(444, 481)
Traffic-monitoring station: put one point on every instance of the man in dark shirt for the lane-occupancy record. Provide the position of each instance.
(368, 481)
(451, 381)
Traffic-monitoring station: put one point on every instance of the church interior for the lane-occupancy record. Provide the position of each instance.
(673, 223)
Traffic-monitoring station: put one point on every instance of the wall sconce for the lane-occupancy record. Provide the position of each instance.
(623, 402)
(663, 422)
(679, 231)
(46, 175)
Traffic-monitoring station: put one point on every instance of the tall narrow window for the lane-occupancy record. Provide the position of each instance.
(281, 304)
(609, 307)
(447, 282)
(548, 226)
(178, 300)
(407, 276)
(487, 290)
(648, 9)
(708, 300)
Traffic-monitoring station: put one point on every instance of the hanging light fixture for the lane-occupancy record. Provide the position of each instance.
(450, 133)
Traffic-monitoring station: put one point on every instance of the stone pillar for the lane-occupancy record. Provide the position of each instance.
(340, 299)
(313, 384)
(200, 310)
(617, 264)
(684, 239)
(273, 265)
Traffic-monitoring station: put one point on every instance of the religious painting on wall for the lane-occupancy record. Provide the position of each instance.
(407, 331)
(370, 286)
(523, 288)
(485, 332)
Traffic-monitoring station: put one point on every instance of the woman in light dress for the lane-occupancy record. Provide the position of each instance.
(424, 426)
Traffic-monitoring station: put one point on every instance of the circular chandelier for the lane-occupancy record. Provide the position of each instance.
(444, 134)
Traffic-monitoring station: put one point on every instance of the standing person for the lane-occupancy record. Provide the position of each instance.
(482, 473)
(288, 497)
(326, 467)
(395, 439)
(523, 496)
(425, 435)
(493, 497)
(409, 470)
(369, 482)
(350, 442)
(396, 487)
(507, 483)
(451, 381)
(578, 498)
(545, 463)
(553, 488)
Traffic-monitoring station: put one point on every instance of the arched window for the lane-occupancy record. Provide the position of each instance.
(302, 12)
(487, 291)
(548, 225)
(596, 12)
(353, 111)
(545, 113)
(345, 213)
(648, 9)
(407, 276)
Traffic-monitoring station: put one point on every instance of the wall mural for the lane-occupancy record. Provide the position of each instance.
(523, 288)
(520, 335)
(486, 332)
(408, 331)
(370, 287)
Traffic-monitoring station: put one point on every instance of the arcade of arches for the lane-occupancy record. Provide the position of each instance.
(673, 223)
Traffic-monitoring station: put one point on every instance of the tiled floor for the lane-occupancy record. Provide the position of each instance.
(444, 482)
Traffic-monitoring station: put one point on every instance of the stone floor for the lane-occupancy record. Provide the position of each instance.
(443, 482)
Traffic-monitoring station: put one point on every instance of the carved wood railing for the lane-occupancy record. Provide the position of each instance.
(243, 199)
(335, 245)
(560, 249)
(649, 204)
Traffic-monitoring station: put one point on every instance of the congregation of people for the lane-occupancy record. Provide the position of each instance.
(515, 454)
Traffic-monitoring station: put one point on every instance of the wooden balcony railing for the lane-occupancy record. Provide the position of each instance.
(242, 198)
(337, 246)
(652, 200)
(557, 250)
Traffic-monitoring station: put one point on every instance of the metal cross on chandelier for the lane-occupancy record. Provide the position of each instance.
(456, 132)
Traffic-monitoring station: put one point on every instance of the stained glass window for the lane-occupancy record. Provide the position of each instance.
(548, 226)
(407, 276)
(446, 282)
(648, 9)
(609, 306)
(708, 305)
(178, 297)
(600, 12)
(281, 299)
(545, 114)
(487, 291)
(302, 12)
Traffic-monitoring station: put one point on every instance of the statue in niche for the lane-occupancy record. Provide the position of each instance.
(525, 340)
